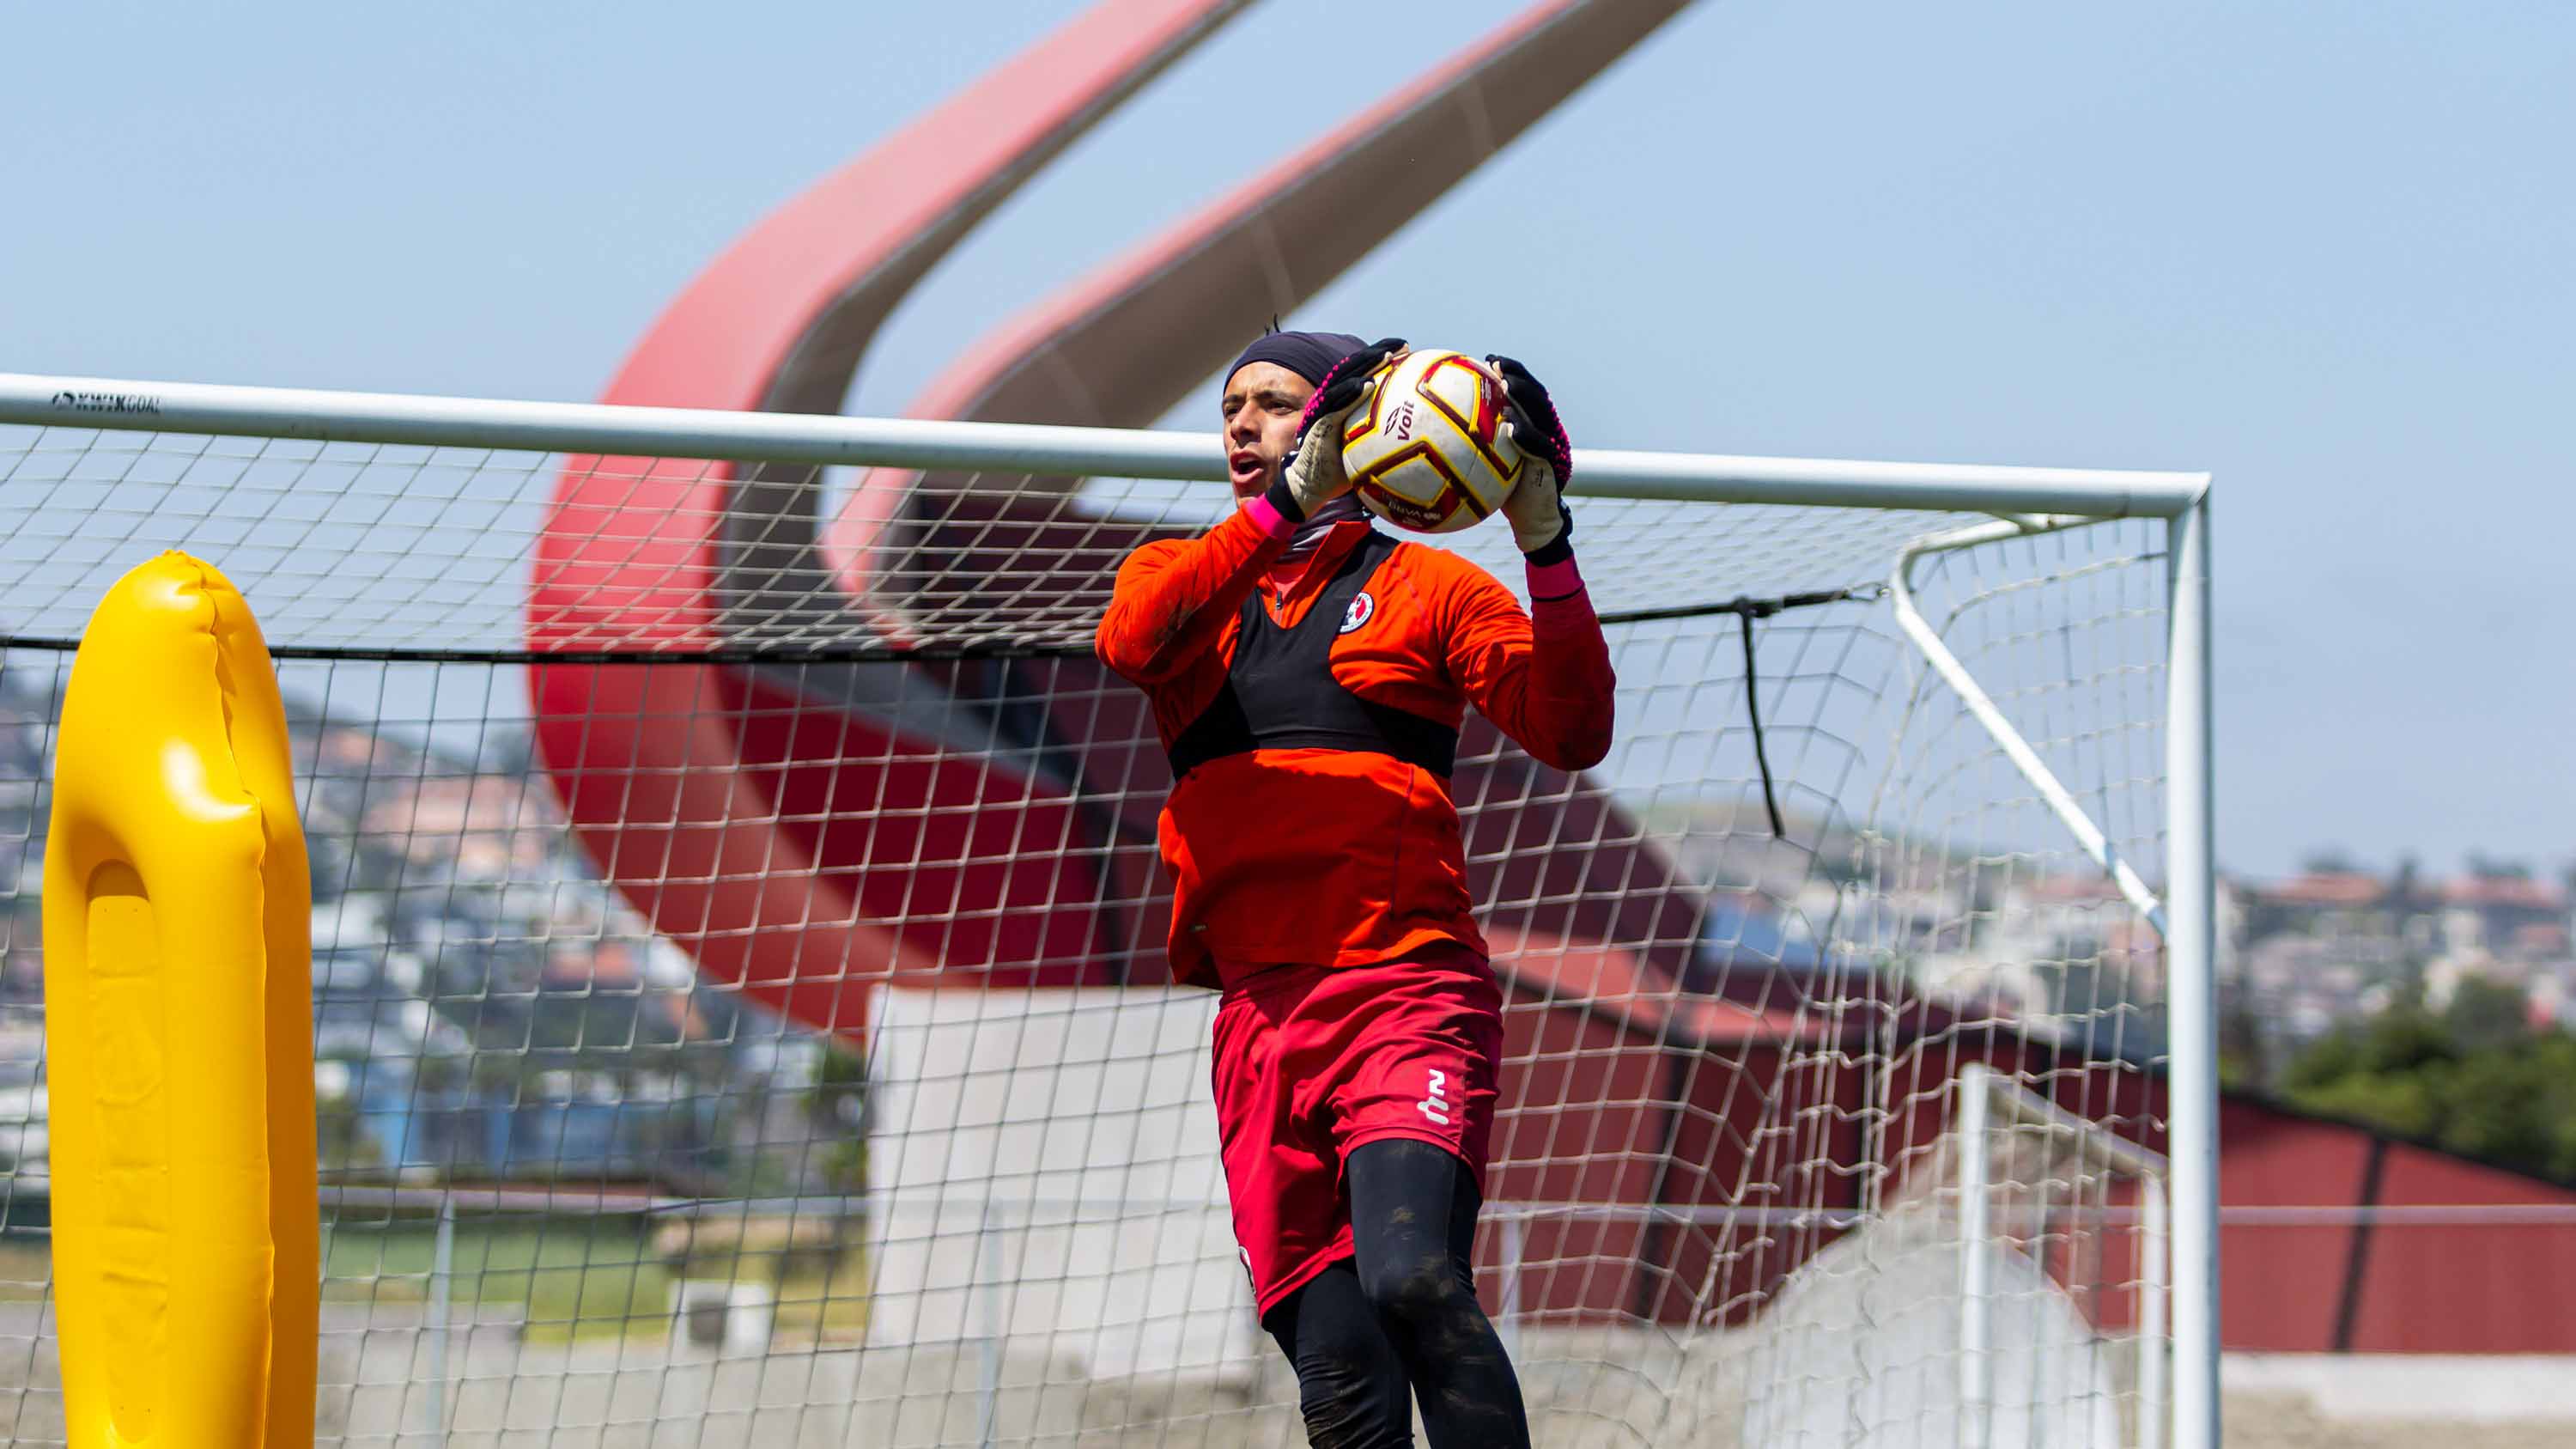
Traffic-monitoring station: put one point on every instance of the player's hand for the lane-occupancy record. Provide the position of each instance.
(1536, 508)
(1314, 472)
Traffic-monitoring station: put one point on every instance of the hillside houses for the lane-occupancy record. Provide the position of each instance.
(484, 1007)
(2327, 946)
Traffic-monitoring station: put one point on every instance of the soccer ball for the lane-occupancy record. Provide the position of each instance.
(1428, 450)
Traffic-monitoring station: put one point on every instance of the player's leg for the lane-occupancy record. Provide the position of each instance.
(1351, 1388)
(1413, 1225)
(1284, 1184)
(1418, 1062)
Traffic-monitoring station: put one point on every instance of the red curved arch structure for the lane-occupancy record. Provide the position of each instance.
(807, 830)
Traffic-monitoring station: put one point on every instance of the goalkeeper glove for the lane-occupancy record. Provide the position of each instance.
(1313, 474)
(1541, 523)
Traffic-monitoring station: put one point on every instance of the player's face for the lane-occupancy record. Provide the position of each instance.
(1263, 403)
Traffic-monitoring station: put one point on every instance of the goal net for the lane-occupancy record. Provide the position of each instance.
(740, 1006)
(2009, 1292)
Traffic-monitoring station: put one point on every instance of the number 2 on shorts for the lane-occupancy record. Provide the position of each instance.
(1433, 1105)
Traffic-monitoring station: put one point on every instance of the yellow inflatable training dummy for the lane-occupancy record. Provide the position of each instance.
(179, 1030)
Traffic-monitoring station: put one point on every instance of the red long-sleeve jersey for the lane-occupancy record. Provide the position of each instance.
(1313, 729)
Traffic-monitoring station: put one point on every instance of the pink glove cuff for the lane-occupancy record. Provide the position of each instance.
(1267, 517)
(1557, 580)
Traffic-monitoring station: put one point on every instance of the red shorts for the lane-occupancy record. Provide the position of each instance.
(1311, 1062)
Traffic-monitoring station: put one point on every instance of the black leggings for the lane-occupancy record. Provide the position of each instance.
(1401, 1317)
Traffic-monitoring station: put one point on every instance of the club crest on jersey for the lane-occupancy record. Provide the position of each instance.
(1362, 609)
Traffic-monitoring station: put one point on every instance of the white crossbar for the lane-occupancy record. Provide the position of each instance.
(361, 417)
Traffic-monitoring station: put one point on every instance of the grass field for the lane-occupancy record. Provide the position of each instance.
(26, 1261)
(574, 1278)
(600, 1276)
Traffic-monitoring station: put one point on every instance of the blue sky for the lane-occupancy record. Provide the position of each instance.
(2321, 251)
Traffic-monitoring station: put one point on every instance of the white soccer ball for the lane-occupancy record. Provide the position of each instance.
(1428, 450)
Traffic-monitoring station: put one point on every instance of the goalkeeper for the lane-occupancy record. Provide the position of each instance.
(1308, 676)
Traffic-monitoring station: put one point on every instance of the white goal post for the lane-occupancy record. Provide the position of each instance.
(391, 532)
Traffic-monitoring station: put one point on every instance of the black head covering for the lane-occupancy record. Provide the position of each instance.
(1308, 354)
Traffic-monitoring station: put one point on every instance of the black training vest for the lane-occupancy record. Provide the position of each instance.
(1280, 694)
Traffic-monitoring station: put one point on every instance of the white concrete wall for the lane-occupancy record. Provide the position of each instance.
(1046, 1160)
